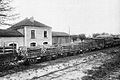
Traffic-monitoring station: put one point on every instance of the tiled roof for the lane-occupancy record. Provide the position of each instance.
(27, 22)
(60, 34)
(10, 33)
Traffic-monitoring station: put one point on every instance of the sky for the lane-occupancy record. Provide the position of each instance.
(76, 16)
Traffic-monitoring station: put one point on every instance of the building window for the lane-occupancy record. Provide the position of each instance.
(32, 44)
(32, 34)
(45, 33)
(13, 45)
(45, 43)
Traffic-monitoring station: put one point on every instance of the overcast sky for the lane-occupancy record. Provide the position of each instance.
(82, 16)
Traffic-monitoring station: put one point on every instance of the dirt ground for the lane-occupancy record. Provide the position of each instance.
(71, 68)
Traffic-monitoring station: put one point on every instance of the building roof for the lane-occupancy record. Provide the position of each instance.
(10, 33)
(28, 22)
(60, 34)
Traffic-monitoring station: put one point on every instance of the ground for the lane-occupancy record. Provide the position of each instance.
(69, 68)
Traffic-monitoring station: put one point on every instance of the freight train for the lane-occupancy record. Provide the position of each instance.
(36, 54)
(41, 53)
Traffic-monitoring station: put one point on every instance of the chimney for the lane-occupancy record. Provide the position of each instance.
(32, 19)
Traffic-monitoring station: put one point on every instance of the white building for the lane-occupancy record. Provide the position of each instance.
(27, 32)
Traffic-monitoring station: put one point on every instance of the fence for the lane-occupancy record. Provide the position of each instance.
(7, 49)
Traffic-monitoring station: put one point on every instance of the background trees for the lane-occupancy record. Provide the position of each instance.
(95, 35)
(81, 37)
(6, 12)
(74, 37)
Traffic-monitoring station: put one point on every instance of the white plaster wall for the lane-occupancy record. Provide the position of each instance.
(26, 40)
(39, 35)
(9, 40)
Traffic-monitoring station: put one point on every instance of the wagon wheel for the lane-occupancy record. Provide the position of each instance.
(26, 62)
(32, 61)
(48, 58)
(59, 54)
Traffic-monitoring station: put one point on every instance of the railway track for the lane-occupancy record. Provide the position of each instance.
(78, 67)
(63, 64)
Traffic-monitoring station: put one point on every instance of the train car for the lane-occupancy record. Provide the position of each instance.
(100, 42)
(29, 55)
(51, 53)
(116, 41)
(69, 49)
(66, 50)
(8, 55)
(108, 40)
(37, 54)
(75, 49)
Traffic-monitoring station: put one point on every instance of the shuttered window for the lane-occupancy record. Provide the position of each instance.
(45, 33)
(32, 34)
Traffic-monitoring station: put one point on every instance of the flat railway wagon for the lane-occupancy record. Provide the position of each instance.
(116, 41)
(38, 54)
(41, 54)
(8, 54)
(33, 55)
(108, 41)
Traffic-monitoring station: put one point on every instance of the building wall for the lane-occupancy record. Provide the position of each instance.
(39, 35)
(60, 40)
(26, 40)
(8, 40)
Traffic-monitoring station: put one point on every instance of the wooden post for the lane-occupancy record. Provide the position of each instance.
(13, 47)
(69, 36)
(4, 48)
(69, 39)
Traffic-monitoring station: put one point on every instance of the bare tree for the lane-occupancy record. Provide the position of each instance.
(5, 12)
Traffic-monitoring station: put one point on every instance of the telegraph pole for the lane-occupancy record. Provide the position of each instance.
(69, 35)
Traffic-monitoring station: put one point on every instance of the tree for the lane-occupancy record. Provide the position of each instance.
(74, 37)
(5, 12)
(95, 35)
(104, 33)
(82, 37)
